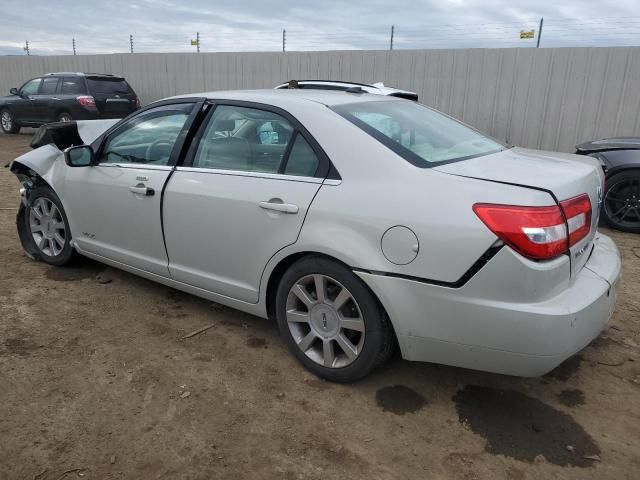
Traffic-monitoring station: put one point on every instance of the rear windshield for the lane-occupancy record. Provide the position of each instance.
(419, 134)
(108, 85)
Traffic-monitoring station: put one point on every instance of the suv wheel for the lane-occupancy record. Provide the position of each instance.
(7, 122)
(331, 321)
(64, 117)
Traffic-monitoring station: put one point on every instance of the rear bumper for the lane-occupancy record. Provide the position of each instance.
(475, 327)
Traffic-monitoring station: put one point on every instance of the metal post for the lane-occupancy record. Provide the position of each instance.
(131, 42)
(540, 32)
(198, 42)
(26, 47)
(284, 40)
(73, 43)
(391, 42)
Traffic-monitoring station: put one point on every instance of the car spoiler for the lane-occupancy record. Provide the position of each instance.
(68, 134)
(619, 143)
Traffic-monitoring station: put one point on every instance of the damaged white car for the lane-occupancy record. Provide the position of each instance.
(359, 222)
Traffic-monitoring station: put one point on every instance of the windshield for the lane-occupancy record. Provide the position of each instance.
(108, 85)
(419, 134)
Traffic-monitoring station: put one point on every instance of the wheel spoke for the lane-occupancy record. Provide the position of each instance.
(45, 206)
(347, 347)
(341, 299)
(295, 316)
(306, 341)
(628, 209)
(352, 324)
(617, 212)
(42, 242)
(58, 225)
(59, 240)
(34, 210)
(300, 292)
(35, 228)
(53, 210)
(328, 353)
(321, 287)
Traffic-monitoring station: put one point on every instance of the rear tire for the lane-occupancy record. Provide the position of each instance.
(64, 117)
(8, 122)
(44, 229)
(621, 204)
(340, 334)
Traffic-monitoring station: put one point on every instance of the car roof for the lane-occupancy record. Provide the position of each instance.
(275, 97)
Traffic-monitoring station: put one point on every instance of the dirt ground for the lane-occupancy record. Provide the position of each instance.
(96, 383)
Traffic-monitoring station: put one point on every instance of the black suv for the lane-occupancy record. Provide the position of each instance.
(62, 97)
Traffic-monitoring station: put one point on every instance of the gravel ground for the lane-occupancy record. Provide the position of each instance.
(96, 382)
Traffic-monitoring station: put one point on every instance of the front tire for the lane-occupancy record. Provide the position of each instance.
(44, 229)
(621, 205)
(331, 321)
(8, 122)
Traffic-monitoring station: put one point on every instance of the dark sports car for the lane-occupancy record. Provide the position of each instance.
(620, 160)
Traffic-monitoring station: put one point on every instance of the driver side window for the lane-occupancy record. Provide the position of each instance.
(31, 87)
(148, 138)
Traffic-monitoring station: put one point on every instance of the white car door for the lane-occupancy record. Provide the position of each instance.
(250, 176)
(114, 206)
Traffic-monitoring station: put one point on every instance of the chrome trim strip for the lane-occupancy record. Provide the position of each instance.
(332, 182)
(136, 166)
(241, 173)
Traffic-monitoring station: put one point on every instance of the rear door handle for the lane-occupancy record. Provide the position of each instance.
(141, 189)
(279, 206)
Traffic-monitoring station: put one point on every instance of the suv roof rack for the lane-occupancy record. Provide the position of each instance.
(64, 73)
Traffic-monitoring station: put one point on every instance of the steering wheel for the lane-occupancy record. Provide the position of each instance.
(159, 151)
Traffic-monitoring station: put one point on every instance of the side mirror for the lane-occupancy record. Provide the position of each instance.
(79, 156)
(14, 91)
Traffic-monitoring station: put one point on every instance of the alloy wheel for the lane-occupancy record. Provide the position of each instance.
(622, 202)
(325, 321)
(47, 227)
(7, 121)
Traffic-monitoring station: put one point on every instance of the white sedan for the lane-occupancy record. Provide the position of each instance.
(360, 222)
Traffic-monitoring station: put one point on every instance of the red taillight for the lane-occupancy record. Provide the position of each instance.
(86, 101)
(577, 211)
(540, 233)
(535, 232)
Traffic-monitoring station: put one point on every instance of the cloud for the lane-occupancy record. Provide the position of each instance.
(256, 25)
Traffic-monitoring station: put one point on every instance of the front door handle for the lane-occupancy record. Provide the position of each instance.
(142, 189)
(279, 206)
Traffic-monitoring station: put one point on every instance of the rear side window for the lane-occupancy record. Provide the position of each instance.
(49, 86)
(302, 159)
(109, 86)
(72, 85)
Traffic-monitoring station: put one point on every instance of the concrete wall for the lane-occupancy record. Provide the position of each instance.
(539, 98)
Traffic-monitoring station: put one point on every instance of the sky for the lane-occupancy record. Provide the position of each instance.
(104, 26)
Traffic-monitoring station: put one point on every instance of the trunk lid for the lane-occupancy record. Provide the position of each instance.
(113, 95)
(564, 176)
